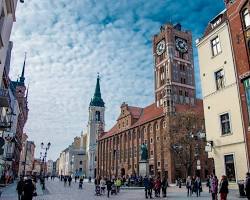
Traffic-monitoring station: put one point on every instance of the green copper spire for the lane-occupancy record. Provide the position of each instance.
(97, 99)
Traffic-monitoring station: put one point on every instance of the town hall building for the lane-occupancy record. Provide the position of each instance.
(118, 151)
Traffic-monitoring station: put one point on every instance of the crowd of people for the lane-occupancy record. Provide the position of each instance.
(26, 188)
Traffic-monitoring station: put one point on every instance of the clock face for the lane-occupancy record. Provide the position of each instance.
(160, 47)
(181, 45)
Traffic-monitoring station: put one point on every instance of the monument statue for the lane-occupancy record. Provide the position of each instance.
(144, 152)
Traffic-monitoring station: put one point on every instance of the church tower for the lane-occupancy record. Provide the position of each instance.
(95, 126)
(174, 68)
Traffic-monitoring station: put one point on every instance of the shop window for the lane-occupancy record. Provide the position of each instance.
(225, 124)
(216, 48)
(158, 164)
(80, 162)
(246, 84)
(219, 79)
(246, 17)
(229, 167)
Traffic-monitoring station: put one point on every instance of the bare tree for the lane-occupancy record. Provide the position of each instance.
(187, 139)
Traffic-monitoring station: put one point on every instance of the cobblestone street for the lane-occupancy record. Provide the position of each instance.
(57, 191)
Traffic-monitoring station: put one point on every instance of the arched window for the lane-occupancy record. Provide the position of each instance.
(246, 17)
(97, 116)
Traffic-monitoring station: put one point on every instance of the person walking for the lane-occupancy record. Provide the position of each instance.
(164, 185)
(103, 185)
(223, 188)
(214, 187)
(247, 185)
(197, 186)
(146, 183)
(69, 180)
(158, 187)
(28, 190)
(109, 186)
(19, 188)
(65, 180)
(189, 186)
(118, 184)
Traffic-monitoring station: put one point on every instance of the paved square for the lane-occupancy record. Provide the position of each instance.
(57, 191)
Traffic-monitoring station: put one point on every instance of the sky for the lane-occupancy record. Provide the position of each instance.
(69, 42)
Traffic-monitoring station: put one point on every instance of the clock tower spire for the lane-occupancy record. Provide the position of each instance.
(174, 68)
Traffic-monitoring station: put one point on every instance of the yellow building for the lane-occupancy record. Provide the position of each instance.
(222, 109)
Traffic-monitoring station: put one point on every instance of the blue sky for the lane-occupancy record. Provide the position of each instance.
(68, 42)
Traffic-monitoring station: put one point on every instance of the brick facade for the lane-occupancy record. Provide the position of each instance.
(119, 148)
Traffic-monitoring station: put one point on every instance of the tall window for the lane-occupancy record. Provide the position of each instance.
(162, 75)
(229, 167)
(246, 84)
(219, 79)
(225, 124)
(246, 17)
(216, 48)
(97, 116)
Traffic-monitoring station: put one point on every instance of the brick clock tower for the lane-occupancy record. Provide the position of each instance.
(174, 68)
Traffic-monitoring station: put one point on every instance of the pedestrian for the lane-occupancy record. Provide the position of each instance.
(223, 188)
(197, 186)
(19, 188)
(146, 183)
(164, 185)
(118, 184)
(109, 186)
(189, 186)
(158, 187)
(179, 182)
(80, 182)
(247, 185)
(28, 190)
(65, 180)
(89, 179)
(214, 187)
(69, 180)
(103, 185)
(75, 179)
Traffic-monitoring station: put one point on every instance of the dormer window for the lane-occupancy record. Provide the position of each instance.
(246, 18)
(216, 22)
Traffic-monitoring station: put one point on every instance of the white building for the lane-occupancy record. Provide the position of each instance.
(222, 109)
(95, 125)
(7, 17)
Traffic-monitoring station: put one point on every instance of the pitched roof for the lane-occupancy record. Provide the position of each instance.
(143, 115)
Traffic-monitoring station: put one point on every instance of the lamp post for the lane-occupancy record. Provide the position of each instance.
(43, 156)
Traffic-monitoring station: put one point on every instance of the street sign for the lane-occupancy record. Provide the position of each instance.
(198, 162)
(198, 167)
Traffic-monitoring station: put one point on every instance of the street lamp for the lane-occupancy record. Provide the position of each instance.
(43, 156)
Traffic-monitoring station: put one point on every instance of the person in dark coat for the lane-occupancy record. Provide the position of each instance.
(28, 190)
(223, 188)
(109, 186)
(247, 185)
(69, 180)
(146, 183)
(164, 185)
(197, 186)
(65, 180)
(19, 188)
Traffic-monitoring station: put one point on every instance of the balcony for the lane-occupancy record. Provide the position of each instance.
(4, 98)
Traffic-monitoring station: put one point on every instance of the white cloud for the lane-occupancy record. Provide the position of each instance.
(68, 42)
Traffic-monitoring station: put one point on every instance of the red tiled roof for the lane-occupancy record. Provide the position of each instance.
(144, 114)
(152, 112)
(149, 113)
(135, 111)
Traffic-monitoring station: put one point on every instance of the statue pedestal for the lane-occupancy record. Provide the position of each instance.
(143, 168)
